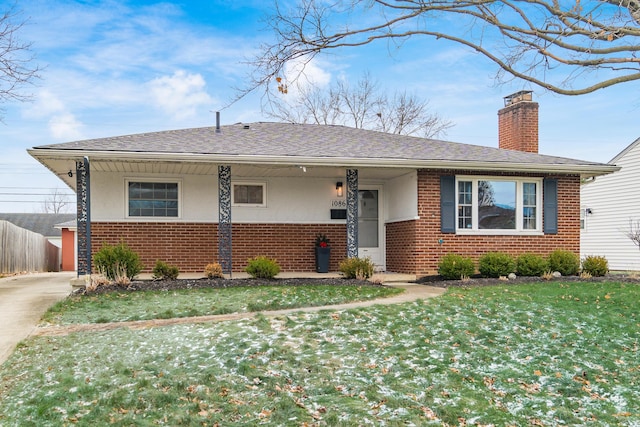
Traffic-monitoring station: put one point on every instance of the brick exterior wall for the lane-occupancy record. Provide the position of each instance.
(293, 245)
(518, 127)
(191, 246)
(400, 243)
(426, 231)
(411, 246)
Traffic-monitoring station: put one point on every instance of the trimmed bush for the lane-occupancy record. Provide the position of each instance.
(357, 268)
(496, 264)
(214, 271)
(565, 262)
(455, 267)
(262, 267)
(596, 266)
(117, 261)
(531, 265)
(164, 271)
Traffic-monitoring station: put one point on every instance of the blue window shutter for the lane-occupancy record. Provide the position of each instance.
(448, 204)
(550, 203)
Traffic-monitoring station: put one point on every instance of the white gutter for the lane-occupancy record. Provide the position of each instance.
(584, 170)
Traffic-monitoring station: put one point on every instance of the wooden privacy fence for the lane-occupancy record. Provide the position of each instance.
(24, 250)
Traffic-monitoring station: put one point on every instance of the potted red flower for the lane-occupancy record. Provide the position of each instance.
(323, 253)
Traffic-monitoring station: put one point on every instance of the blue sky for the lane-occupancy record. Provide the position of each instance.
(116, 68)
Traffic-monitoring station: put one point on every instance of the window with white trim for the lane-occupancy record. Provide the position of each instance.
(583, 218)
(496, 205)
(153, 199)
(249, 194)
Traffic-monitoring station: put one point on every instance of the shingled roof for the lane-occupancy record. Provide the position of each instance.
(324, 144)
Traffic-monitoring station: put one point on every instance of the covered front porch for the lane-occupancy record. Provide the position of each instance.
(351, 205)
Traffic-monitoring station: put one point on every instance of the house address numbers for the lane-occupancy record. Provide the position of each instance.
(338, 204)
(338, 209)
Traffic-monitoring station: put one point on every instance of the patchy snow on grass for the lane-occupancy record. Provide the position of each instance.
(471, 357)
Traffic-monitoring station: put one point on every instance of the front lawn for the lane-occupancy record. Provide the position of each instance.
(544, 354)
(147, 305)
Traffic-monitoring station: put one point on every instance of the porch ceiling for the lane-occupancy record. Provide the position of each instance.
(62, 167)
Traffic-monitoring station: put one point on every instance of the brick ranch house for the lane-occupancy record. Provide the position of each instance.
(227, 193)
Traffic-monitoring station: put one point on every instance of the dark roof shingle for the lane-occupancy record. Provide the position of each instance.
(41, 223)
(306, 140)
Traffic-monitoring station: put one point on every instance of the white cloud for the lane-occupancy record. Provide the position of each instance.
(180, 94)
(65, 126)
(62, 124)
(306, 73)
(46, 103)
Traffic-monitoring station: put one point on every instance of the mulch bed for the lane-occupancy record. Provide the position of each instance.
(167, 285)
(483, 281)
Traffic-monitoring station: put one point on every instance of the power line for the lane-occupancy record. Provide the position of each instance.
(38, 194)
(28, 201)
(24, 173)
(33, 188)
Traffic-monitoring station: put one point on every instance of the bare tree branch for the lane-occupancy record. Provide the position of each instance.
(406, 115)
(549, 43)
(362, 106)
(16, 69)
(56, 203)
(633, 232)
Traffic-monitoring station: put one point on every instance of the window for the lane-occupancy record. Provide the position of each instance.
(249, 194)
(498, 205)
(465, 205)
(153, 199)
(584, 212)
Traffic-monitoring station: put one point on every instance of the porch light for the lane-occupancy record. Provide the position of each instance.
(339, 188)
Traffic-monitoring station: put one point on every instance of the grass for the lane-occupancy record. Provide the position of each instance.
(544, 354)
(147, 305)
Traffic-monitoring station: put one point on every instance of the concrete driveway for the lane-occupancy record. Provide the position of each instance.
(23, 301)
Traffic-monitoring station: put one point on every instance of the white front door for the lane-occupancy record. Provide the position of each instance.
(370, 231)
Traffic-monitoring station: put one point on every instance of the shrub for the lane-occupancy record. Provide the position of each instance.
(595, 265)
(121, 278)
(565, 262)
(357, 268)
(496, 264)
(112, 261)
(454, 267)
(262, 267)
(96, 280)
(164, 271)
(214, 271)
(547, 275)
(531, 265)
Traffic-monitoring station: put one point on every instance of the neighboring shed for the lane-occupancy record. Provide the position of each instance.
(610, 205)
(69, 247)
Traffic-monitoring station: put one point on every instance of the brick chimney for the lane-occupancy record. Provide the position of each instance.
(518, 123)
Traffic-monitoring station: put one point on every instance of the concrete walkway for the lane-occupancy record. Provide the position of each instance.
(413, 292)
(23, 301)
(25, 298)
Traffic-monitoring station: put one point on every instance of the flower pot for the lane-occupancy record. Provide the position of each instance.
(322, 259)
